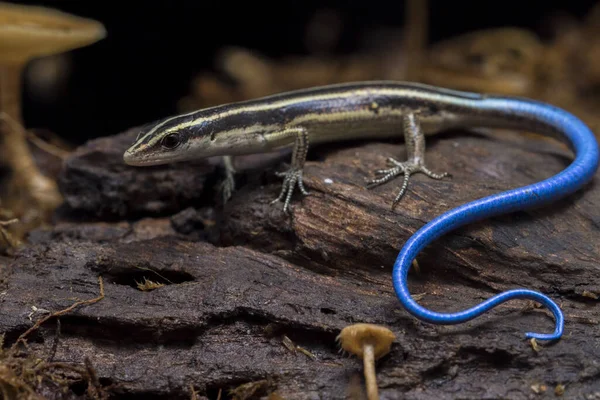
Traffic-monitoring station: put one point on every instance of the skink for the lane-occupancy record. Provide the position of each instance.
(377, 110)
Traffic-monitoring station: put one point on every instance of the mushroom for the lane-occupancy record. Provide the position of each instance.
(369, 342)
(27, 32)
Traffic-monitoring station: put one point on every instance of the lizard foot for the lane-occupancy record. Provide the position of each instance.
(227, 187)
(291, 179)
(406, 168)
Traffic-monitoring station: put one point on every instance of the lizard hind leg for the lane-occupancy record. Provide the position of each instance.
(415, 147)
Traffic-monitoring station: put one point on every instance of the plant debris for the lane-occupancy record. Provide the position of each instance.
(148, 285)
(40, 322)
(535, 345)
(291, 346)
(23, 373)
(539, 388)
(249, 390)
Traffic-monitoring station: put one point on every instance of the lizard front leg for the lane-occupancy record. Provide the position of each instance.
(415, 148)
(228, 184)
(293, 176)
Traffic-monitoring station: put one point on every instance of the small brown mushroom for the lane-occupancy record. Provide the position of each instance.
(369, 342)
(27, 32)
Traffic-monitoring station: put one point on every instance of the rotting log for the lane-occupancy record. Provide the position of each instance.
(239, 278)
(97, 184)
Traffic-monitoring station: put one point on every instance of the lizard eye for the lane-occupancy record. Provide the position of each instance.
(170, 141)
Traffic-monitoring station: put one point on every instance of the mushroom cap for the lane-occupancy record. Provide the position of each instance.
(31, 31)
(353, 338)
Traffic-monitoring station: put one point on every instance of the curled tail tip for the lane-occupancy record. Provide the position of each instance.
(558, 317)
(542, 336)
(546, 336)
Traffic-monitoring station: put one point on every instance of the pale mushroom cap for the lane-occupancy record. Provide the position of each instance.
(353, 338)
(30, 31)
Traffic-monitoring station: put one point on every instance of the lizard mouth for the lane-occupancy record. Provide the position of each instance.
(130, 159)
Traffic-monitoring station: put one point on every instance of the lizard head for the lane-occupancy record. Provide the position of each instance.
(172, 139)
(197, 135)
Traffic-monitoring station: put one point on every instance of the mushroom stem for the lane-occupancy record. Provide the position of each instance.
(28, 32)
(369, 342)
(369, 367)
(15, 151)
(10, 89)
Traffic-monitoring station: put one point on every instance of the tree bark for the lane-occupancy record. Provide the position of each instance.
(238, 282)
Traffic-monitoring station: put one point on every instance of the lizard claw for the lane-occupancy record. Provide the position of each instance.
(291, 179)
(406, 168)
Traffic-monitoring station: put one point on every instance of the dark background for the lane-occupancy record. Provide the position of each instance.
(154, 48)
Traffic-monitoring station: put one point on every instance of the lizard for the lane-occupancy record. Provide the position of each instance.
(377, 109)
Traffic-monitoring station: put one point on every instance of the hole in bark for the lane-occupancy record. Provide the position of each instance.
(497, 358)
(135, 277)
(79, 388)
(108, 333)
(327, 311)
(11, 336)
(212, 392)
(437, 372)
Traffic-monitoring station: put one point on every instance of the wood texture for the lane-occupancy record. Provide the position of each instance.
(239, 278)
